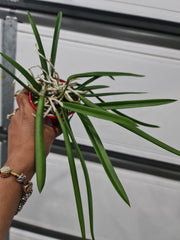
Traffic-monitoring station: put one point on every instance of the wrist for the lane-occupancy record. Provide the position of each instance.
(21, 179)
(22, 164)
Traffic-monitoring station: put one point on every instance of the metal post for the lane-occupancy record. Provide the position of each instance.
(9, 36)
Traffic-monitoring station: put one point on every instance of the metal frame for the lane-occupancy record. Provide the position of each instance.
(9, 29)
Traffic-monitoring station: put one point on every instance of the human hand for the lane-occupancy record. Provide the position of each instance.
(21, 146)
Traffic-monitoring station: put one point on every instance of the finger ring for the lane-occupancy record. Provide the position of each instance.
(9, 116)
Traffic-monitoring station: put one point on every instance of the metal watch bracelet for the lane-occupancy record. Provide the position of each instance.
(27, 186)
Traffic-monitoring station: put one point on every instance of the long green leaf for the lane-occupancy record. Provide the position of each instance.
(122, 114)
(22, 70)
(135, 120)
(73, 175)
(85, 171)
(100, 74)
(55, 39)
(142, 133)
(98, 113)
(109, 94)
(91, 104)
(39, 42)
(134, 103)
(40, 145)
(93, 87)
(17, 79)
(81, 86)
(103, 157)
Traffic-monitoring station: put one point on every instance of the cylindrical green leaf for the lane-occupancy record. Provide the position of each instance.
(55, 39)
(134, 103)
(73, 175)
(40, 153)
(39, 42)
(103, 157)
(98, 113)
(85, 171)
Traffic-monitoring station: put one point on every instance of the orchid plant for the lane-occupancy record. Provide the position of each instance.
(53, 97)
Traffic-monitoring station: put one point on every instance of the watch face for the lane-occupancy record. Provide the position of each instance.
(5, 172)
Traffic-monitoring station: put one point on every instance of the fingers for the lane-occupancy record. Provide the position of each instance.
(25, 107)
(23, 99)
(55, 127)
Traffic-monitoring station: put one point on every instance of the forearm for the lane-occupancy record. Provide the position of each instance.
(11, 192)
(21, 161)
(10, 196)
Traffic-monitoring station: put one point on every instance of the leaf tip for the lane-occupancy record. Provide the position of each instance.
(40, 186)
(127, 201)
(173, 100)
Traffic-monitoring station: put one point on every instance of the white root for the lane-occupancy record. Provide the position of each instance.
(46, 113)
(54, 108)
(18, 92)
(58, 101)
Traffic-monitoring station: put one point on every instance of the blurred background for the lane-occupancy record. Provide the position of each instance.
(133, 36)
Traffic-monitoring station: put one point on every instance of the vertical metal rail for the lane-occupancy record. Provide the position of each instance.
(9, 36)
